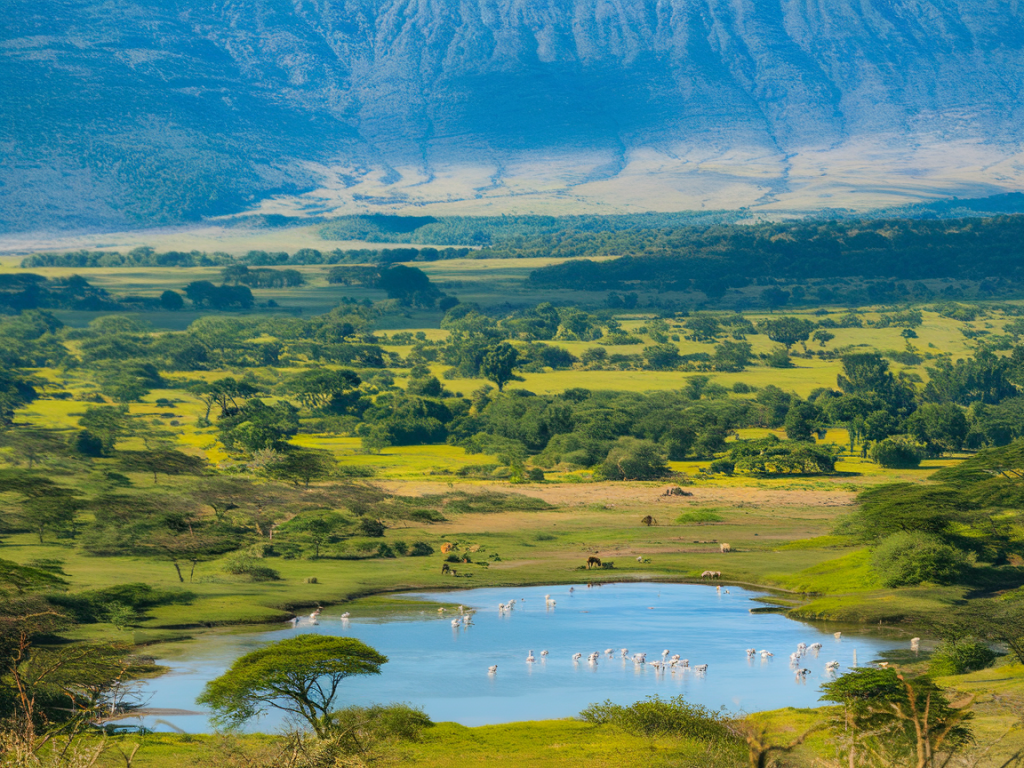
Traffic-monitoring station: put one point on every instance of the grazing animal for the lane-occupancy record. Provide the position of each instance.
(725, 547)
(707, 575)
(716, 574)
(648, 521)
(592, 561)
(445, 568)
(492, 669)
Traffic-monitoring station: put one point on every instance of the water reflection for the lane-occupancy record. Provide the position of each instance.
(444, 667)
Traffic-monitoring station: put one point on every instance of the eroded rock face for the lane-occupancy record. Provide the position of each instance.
(183, 108)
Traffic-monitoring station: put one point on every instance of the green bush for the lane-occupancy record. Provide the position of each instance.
(897, 453)
(722, 467)
(358, 730)
(960, 658)
(370, 527)
(427, 516)
(400, 547)
(385, 550)
(122, 616)
(245, 564)
(909, 558)
(535, 475)
(632, 459)
(655, 717)
(420, 549)
(95, 605)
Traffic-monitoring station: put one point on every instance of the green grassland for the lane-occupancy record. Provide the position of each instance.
(781, 529)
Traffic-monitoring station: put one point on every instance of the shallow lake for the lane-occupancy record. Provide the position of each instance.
(444, 669)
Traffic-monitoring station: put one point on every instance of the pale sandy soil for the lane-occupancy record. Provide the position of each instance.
(637, 495)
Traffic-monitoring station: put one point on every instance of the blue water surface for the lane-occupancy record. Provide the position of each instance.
(444, 670)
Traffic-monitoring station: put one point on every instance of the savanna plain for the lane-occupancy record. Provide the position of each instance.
(197, 444)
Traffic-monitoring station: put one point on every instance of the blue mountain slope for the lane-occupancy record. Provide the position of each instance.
(149, 111)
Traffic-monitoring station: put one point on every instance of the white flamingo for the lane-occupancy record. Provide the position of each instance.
(530, 658)
(766, 654)
(700, 669)
(455, 622)
(624, 652)
(345, 616)
(664, 654)
(492, 669)
(577, 656)
(543, 653)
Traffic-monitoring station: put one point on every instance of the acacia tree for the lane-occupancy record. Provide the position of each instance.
(300, 676)
(170, 462)
(318, 388)
(43, 505)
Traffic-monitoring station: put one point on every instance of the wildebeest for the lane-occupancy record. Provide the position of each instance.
(445, 568)
(648, 521)
(592, 561)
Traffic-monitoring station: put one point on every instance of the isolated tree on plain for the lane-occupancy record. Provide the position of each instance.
(172, 301)
(320, 529)
(822, 336)
(787, 330)
(499, 363)
(301, 676)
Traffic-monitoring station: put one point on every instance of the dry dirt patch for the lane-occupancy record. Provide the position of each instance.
(638, 495)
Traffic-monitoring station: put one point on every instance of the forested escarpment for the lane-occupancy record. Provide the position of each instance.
(905, 250)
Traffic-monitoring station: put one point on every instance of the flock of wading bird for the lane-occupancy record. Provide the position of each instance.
(673, 663)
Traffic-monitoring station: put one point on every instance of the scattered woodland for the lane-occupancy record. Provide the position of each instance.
(250, 435)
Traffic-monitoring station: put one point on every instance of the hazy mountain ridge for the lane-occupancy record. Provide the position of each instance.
(171, 110)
